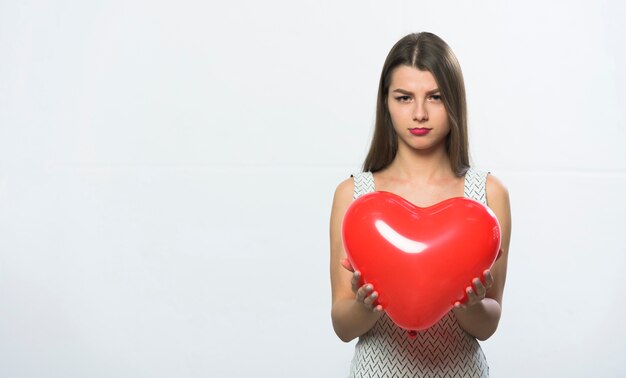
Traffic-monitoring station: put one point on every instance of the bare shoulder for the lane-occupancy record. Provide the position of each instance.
(498, 201)
(341, 202)
(497, 192)
(344, 192)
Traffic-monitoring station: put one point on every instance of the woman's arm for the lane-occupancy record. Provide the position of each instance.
(354, 310)
(480, 317)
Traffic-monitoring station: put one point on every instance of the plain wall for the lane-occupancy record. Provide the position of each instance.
(167, 171)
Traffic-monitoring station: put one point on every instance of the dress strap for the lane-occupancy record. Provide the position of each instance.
(476, 185)
(363, 183)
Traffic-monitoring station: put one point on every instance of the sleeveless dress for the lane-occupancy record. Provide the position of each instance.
(443, 350)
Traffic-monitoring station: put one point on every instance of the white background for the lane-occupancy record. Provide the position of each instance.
(167, 171)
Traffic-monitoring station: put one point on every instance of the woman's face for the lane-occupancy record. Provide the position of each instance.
(417, 111)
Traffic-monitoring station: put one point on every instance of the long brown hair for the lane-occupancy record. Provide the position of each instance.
(427, 52)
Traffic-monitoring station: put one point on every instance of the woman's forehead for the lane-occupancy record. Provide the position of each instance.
(411, 78)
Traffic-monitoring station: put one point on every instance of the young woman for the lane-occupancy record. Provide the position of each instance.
(420, 152)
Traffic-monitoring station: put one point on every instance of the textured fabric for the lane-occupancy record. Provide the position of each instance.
(444, 350)
(363, 183)
(476, 186)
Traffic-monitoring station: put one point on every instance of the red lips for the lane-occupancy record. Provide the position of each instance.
(419, 131)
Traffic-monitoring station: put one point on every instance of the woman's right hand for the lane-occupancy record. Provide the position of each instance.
(365, 294)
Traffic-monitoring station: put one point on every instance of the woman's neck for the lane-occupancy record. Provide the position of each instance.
(413, 165)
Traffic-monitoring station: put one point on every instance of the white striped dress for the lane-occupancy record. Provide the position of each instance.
(444, 350)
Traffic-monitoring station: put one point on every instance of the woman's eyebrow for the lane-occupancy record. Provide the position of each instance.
(404, 91)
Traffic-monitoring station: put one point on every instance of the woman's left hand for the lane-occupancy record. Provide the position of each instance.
(477, 291)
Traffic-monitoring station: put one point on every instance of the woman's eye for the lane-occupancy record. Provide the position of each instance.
(403, 98)
(435, 97)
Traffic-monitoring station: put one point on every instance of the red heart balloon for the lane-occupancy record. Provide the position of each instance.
(419, 260)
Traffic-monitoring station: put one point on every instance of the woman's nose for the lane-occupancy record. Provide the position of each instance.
(419, 113)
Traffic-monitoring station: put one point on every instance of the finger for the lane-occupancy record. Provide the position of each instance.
(471, 296)
(479, 288)
(459, 306)
(488, 278)
(370, 299)
(346, 264)
(363, 292)
(356, 281)
(378, 308)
